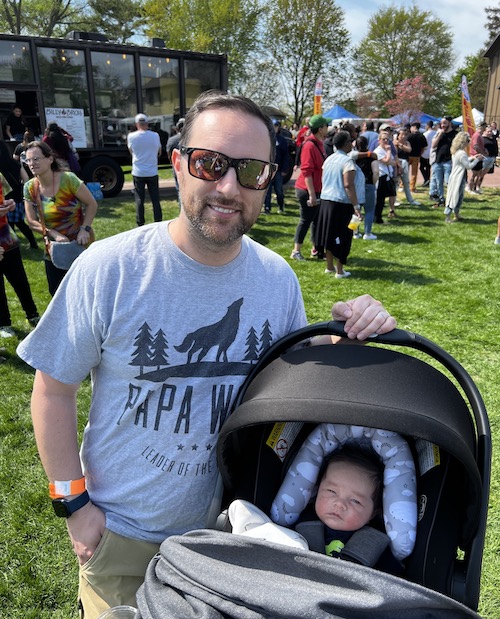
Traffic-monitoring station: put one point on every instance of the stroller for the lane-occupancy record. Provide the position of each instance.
(289, 392)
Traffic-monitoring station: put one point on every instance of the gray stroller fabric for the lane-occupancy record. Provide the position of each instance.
(215, 575)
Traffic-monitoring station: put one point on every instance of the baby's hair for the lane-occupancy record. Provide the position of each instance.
(365, 459)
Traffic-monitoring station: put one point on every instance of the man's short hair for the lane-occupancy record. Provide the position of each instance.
(217, 99)
(369, 125)
(341, 138)
(415, 124)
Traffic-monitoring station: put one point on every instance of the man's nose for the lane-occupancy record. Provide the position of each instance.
(228, 184)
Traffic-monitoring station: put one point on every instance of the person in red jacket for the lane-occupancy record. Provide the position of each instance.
(308, 183)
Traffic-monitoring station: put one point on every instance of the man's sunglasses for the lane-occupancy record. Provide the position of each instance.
(209, 165)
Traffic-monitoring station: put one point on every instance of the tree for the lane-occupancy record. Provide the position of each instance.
(40, 17)
(409, 99)
(475, 70)
(400, 44)
(119, 20)
(217, 26)
(306, 39)
(492, 22)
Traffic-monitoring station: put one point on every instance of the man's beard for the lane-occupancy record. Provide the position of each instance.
(217, 234)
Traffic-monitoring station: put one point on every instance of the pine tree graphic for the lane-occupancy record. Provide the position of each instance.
(252, 343)
(159, 348)
(266, 337)
(143, 345)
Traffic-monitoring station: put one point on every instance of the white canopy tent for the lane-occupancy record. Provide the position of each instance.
(477, 115)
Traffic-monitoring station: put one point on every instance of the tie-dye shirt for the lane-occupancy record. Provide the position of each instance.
(8, 238)
(61, 212)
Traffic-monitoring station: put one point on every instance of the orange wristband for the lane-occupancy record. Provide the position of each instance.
(61, 489)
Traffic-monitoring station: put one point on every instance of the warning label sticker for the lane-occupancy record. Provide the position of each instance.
(282, 437)
(428, 454)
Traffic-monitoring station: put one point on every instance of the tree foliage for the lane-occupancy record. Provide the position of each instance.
(40, 17)
(475, 70)
(217, 26)
(119, 20)
(306, 39)
(402, 43)
(409, 98)
(492, 21)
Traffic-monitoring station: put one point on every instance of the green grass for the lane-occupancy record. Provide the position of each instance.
(440, 281)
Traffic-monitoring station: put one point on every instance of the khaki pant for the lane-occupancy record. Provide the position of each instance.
(414, 161)
(113, 574)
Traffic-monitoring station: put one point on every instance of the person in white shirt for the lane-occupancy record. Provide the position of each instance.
(145, 148)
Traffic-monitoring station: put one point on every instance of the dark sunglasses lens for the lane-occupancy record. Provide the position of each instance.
(254, 174)
(206, 165)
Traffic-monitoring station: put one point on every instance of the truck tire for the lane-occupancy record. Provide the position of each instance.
(107, 172)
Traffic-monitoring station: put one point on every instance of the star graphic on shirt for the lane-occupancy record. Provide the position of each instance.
(180, 447)
(208, 447)
(194, 448)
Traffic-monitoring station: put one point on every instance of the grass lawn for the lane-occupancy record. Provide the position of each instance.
(438, 280)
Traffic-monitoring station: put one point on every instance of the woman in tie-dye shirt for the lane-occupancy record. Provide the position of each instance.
(12, 268)
(68, 206)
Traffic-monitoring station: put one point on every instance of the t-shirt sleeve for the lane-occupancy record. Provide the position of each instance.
(69, 357)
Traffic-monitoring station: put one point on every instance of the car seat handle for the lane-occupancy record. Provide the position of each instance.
(396, 337)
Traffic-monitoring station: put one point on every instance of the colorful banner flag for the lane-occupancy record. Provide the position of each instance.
(467, 118)
(318, 94)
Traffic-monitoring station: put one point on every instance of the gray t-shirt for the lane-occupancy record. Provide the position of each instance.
(167, 341)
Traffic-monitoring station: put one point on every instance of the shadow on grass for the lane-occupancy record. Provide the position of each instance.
(373, 269)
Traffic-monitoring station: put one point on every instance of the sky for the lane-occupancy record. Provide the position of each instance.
(466, 19)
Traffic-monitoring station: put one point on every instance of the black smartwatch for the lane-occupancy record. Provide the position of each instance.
(64, 508)
(86, 228)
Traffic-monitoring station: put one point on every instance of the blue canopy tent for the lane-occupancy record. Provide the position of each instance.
(421, 117)
(337, 112)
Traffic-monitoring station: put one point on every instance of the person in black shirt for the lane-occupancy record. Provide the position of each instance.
(14, 125)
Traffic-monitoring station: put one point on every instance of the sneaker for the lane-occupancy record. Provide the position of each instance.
(433, 196)
(397, 203)
(7, 332)
(478, 191)
(416, 203)
(357, 235)
(296, 255)
(329, 271)
(469, 190)
(34, 321)
(425, 184)
(369, 237)
(497, 240)
(341, 275)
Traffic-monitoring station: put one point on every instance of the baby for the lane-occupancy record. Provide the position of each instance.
(349, 495)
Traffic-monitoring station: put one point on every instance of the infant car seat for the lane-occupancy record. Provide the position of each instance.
(291, 390)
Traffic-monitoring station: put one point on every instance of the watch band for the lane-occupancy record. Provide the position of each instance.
(61, 489)
(86, 228)
(64, 508)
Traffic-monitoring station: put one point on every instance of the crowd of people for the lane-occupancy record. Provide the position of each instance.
(390, 158)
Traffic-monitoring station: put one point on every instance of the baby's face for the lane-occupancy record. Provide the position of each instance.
(345, 497)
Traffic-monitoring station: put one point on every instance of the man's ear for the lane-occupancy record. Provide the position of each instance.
(176, 160)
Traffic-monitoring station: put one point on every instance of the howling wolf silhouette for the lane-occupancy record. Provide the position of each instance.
(221, 334)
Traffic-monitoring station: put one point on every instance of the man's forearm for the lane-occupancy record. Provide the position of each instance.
(53, 411)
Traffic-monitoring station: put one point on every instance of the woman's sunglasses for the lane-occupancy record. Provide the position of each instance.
(209, 165)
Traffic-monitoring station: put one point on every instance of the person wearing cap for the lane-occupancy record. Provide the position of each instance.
(282, 160)
(145, 148)
(308, 183)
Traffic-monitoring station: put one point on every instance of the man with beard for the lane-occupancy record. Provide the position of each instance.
(168, 319)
